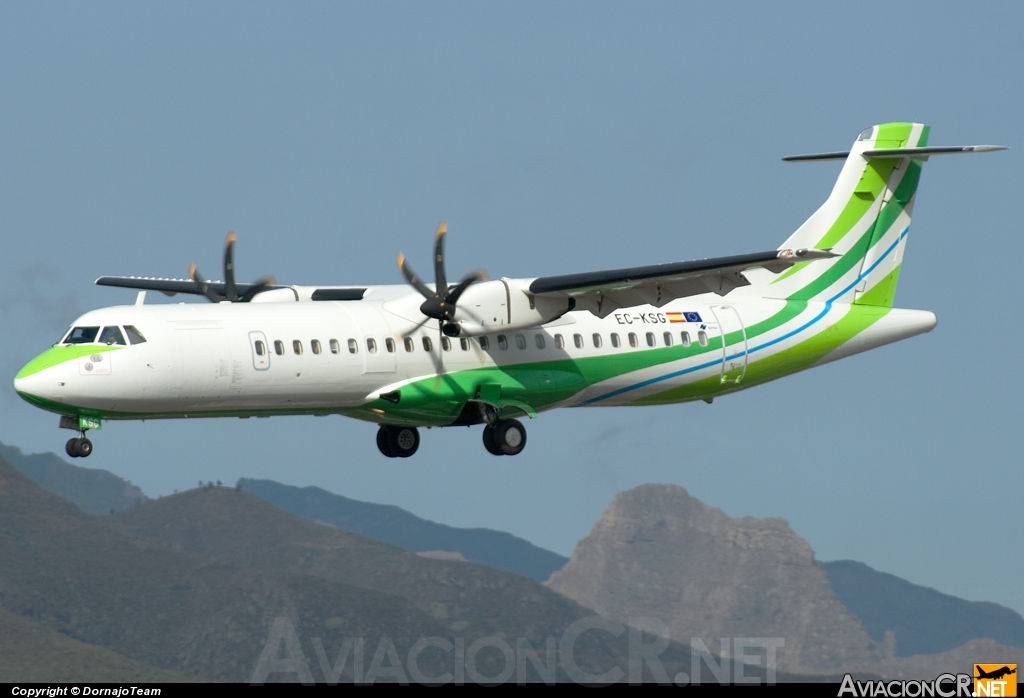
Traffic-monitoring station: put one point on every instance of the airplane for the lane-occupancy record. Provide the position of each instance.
(996, 673)
(492, 351)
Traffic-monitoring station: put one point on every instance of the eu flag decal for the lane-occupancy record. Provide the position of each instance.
(692, 317)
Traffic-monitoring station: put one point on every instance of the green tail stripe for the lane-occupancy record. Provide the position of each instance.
(883, 292)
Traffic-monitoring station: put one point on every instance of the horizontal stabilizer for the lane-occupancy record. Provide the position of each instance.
(925, 153)
(913, 153)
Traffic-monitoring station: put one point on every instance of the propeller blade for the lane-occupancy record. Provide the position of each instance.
(230, 290)
(470, 278)
(440, 279)
(203, 285)
(411, 277)
(259, 286)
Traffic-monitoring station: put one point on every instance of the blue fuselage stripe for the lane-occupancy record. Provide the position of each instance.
(759, 347)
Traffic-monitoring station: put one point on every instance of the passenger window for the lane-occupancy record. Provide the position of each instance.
(82, 335)
(502, 342)
(427, 344)
(559, 342)
(296, 346)
(111, 335)
(615, 339)
(597, 340)
(520, 341)
(577, 339)
(409, 344)
(335, 347)
(485, 343)
(260, 348)
(371, 345)
(134, 336)
(684, 337)
(668, 339)
(651, 341)
(279, 347)
(633, 341)
(389, 344)
(446, 344)
(353, 346)
(702, 337)
(315, 346)
(464, 343)
(539, 339)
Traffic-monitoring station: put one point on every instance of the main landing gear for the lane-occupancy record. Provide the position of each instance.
(79, 448)
(398, 442)
(507, 437)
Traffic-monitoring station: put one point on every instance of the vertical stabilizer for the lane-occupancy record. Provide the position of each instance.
(865, 220)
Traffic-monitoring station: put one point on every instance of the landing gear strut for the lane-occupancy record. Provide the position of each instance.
(398, 442)
(78, 448)
(507, 437)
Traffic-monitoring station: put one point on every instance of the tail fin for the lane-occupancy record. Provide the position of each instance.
(865, 220)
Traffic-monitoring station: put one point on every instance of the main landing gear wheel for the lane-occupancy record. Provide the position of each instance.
(489, 443)
(508, 437)
(398, 442)
(78, 448)
(382, 442)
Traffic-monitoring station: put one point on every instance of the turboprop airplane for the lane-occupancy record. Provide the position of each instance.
(490, 351)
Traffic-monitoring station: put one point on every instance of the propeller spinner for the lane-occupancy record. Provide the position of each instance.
(230, 288)
(441, 302)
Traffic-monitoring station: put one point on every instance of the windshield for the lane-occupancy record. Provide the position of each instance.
(81, 335)
(134, 336)
(111, 335)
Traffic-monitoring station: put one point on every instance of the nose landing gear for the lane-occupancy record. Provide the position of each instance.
(79, 448)
(398, 442)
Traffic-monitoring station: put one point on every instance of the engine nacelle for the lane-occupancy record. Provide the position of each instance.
(505, 304)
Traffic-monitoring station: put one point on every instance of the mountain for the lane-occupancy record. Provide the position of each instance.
(32, 653)
(86, 578)
(923, 620)
(398, 527)
(94, 491)
(657, 551)
(196, 582)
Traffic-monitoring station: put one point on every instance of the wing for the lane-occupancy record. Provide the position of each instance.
(172, 286)
(603, 292)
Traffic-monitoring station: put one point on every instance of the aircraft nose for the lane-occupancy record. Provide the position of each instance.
(38, 379)
(30, 383)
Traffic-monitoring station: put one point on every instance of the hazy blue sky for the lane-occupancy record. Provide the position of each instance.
(554, 138)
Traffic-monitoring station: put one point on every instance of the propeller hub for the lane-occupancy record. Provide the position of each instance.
(441, 302)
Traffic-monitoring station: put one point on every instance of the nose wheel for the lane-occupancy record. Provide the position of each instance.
(506, 438)
(78, 448)
(398, 442)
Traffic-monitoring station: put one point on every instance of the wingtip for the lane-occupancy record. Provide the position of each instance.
(192, 271)
(442, 229)
(401, 260)
(231, 237)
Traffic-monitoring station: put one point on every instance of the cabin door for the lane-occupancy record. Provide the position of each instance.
(734, 343)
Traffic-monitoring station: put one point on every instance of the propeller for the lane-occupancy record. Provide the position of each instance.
(440, 303)
(230, 288)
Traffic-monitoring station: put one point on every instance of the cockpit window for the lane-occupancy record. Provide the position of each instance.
(81, 335)
(134, 336)
(111, 335)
